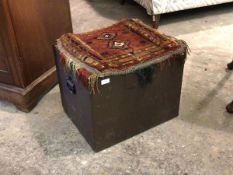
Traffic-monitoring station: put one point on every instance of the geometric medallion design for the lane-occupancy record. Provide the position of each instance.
(116, 44)
(107, 36)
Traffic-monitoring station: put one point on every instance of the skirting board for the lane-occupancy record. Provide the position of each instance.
(25, 99)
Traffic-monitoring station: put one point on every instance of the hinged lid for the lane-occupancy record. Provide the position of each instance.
(124, 47)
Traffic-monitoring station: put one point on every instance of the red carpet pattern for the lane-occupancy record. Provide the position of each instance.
(124, 47)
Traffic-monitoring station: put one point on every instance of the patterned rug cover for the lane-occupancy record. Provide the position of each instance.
(122, 48)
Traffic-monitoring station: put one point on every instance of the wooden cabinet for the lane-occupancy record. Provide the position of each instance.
(28, 29)
(5, 75)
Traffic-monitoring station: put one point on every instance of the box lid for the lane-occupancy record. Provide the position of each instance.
(124, 47)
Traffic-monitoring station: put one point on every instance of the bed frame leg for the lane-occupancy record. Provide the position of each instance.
(230, 65)
(230, 105)
(123, 2)
(229, 108)
(156, 21)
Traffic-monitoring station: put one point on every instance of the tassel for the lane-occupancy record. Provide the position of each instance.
(162, 65)
(188, 50)
(93, 83)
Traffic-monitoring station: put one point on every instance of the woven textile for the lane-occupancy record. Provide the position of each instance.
(121, 48)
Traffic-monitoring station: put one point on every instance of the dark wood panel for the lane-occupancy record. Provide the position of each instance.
(7, 53)
(37, 23)
(5, 74)
(3, 65)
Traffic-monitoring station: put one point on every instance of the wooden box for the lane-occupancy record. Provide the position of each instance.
(123, 102)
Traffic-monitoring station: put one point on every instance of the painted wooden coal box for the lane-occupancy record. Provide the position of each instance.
(119, 81)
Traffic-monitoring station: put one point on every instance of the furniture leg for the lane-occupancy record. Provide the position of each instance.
(229, 107)
(123, 2)
(156, 20)
(230, 65)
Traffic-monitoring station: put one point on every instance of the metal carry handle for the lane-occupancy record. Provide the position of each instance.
(145, 75)
(70, 85)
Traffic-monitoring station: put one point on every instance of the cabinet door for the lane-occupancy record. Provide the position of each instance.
(3, 65)
(5, 73)
(11, 71)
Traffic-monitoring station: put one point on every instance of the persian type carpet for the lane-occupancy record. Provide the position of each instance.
(124, 47)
